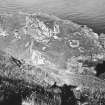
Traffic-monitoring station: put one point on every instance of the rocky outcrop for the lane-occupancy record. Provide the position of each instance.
(40, 54)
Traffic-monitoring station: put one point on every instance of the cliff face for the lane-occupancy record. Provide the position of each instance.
(40, 50)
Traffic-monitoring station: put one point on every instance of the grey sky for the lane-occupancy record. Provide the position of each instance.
(90, 12)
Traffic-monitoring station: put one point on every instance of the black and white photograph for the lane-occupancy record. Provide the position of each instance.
(52, 52)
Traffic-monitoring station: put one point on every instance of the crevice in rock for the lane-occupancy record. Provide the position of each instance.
(100, 68)
(67, 96)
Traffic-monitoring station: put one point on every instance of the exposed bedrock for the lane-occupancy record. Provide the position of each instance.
(59, 48)
(43, 57)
